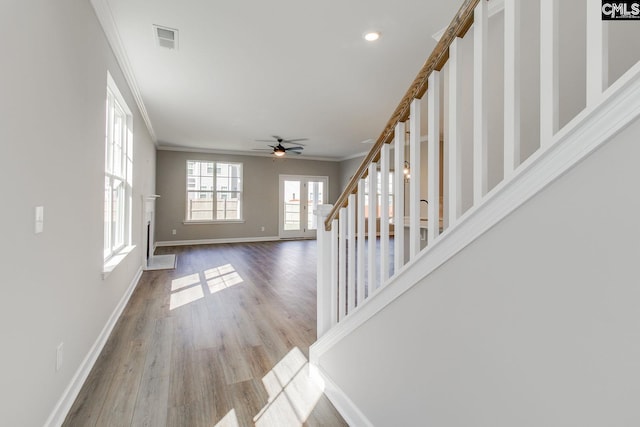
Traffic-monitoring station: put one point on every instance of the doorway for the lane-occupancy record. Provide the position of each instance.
(299, 198)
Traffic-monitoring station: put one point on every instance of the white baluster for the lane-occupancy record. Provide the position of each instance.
(398, 209)
(361, 242)
(597, 52)
(334, 271)
(414, 180)
(351, 253)
(480, 101)
(549, 74)
(373, 196)
(323, 292)
(342, 263)
(455, 151)
(511, 86)
(384, 214)
(433, 168)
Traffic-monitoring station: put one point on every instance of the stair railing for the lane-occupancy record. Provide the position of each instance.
(353, 263)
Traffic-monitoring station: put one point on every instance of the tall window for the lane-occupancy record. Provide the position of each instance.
(118, 172)
(214, 191)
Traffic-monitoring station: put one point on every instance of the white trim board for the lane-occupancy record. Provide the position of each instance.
(103, 12)
(221, 241)
(345, 406)
(587, 132)
(70, 394)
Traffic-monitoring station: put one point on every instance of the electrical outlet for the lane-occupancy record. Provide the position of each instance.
(262, 228)
(59, 356)
(173, 231)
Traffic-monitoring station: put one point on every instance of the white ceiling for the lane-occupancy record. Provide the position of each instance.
(248, 69)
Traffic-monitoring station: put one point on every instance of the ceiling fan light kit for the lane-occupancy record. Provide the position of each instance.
(280, 150)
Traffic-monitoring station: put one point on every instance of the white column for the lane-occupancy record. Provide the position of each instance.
(455, 153)
(597, 52)
(373, 202)
(511, 86)
(414, 180)
(549, 78)
(342, 263)
(351, 253)
(480, 101)
(398, 191)
(361, 240)
(323, 292)
(384, 214)
(333, 290)
(434, 155)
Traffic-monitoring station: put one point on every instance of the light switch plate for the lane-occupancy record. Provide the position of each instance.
(39, 219)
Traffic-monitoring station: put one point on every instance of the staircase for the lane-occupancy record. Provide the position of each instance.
(506, 299)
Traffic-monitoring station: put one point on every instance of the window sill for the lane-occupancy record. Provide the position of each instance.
(234, 221)
(112, 263)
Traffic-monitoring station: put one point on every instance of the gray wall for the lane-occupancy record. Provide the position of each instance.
(261, 175)
(347, 168)
(52, 131)
(534, 324)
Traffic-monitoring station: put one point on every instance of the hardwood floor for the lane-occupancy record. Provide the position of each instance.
(223, 340)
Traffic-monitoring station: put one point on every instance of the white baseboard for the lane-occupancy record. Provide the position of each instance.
(345, 406)
(218, 241)
(70, 394)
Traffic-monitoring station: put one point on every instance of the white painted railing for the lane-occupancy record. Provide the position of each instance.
(475, 141)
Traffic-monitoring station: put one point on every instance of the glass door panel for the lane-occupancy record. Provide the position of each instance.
(291, 205)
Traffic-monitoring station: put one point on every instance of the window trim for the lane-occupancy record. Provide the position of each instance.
(115, 254)
(214, 193)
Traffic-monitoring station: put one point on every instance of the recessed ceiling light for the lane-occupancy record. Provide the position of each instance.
(372, 36)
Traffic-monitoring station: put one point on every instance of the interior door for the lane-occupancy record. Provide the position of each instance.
(299, 198)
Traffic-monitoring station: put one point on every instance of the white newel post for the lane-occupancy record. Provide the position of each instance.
(323, 271)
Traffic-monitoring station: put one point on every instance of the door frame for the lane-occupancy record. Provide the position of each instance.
(305, 232)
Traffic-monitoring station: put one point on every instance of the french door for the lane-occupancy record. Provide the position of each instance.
(299, 198)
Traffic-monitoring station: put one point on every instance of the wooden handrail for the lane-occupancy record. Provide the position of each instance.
(457, 28)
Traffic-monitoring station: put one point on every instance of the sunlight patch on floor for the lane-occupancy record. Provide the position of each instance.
(222, 277)
(229, 420)
(292, 392)
(185, 296)
(187, 289)
(183, 282)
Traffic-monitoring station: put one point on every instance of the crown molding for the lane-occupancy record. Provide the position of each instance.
(103, 12)
(353, 156)
(161, 147)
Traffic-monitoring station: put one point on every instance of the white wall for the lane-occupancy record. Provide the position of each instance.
(53, 84)
(534, 324)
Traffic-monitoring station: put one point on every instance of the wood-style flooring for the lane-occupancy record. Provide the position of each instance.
(222, 340)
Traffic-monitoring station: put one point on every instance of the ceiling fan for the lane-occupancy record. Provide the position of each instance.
(279, 149)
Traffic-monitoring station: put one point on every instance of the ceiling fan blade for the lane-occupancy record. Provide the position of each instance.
(264, 140)
(295, 140)
(294, 152)
(294, 148)
(262, 149)
(290, 142)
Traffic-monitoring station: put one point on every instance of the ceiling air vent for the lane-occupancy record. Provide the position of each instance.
(166, 37)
